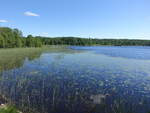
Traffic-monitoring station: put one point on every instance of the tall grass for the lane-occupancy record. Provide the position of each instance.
(8, 109)
(13, 58)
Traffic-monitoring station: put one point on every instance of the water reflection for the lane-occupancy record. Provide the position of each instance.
(132, 52)
(10, 59)
(68, 81)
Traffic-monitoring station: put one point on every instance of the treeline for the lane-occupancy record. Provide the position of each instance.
(11, 38)
(90, 42)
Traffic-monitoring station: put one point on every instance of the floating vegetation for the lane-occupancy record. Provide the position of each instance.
(98, 99)
(61, 80)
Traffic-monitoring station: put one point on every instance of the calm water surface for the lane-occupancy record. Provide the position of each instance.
(79, 80)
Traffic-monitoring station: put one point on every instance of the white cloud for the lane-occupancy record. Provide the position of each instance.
(44, 34)
(28, 13)
(3, 21)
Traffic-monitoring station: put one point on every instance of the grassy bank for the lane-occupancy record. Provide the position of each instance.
(11, 58)
(8, 109)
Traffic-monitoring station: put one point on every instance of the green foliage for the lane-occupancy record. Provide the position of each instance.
(12, 38)
(2, 42)
(89, 41)
(33, 42)
(9, 109)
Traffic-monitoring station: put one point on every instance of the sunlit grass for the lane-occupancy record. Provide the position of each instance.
(8, 109)
(14, 57)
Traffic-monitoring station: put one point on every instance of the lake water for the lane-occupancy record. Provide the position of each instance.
(77, 79)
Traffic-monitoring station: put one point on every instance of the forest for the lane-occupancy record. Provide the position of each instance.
(13, 38)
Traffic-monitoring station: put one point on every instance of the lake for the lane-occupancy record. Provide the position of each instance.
(76, 79)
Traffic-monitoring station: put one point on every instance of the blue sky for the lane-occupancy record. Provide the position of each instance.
(82, 18)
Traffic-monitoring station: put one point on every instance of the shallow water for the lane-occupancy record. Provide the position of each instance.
(79, 80)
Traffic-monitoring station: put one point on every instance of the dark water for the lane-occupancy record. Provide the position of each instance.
(80, 80)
